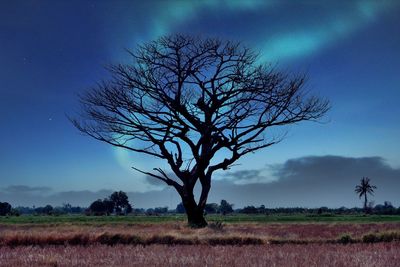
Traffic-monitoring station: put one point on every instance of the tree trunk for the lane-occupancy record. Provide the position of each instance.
(195, 214)
(365, 203)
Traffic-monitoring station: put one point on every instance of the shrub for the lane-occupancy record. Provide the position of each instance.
(225, 207)
(345, 239)
(5, 208)
(15, 212)
(98, 208)
(216, 226)
(370, 238)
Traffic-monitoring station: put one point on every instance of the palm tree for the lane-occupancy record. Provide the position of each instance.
(365, 188)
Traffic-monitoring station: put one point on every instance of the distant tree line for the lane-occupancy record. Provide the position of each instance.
(381, 209)
(212, 208)
(45, 210)
(119, 205)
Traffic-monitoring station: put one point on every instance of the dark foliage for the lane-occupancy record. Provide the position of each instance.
(121, 203)
(180, 208)
(5, 208)
(211, 208)
(98, 207)
(117, 202)
(225, 207)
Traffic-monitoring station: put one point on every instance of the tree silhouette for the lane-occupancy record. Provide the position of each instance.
(180, 208)
(5, 208)
(98, 207)
(363, 189)
(225, 207)
(198, 104)
(121, 203)
(108, 206)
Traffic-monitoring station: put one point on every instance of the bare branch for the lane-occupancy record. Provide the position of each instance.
(183, 99)
(163, 178)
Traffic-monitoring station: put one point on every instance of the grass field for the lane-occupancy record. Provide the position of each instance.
(237, 218)
(372, 255)
(242, 240)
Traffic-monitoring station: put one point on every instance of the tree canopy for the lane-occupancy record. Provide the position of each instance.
(187, 100)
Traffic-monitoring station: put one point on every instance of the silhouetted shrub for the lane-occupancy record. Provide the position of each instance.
(225, 207)
(345, 239)
(249, 210)
(382, 237)
(370, 238)
(97, 208)
(216, 226)
(161, 210)
(15, 212)
(180, 208)
(5, 208)
(211, 208)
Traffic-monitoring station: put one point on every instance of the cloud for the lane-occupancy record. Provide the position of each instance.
(173, 13)
(23, 189)
(312, 181)
(302, 30)
(154, 181)
(329, 29)
(20, 195)
(337, 168)
(250, 176)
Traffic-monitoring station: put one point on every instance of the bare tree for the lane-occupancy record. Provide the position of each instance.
(185, 99)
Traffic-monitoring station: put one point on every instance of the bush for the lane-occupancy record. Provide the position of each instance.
(15, 212)
(225, 207)
(98, 208)
(345, 239)
(5, 208)
(370, 238)
(393, 236)
(216, 226)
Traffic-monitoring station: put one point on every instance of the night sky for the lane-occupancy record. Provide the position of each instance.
(350, 50)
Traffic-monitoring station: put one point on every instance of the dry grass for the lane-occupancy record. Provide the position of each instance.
(179, 234)
(380, 254)
(174, 244)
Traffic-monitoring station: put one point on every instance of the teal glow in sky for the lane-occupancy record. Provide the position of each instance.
(52, 50)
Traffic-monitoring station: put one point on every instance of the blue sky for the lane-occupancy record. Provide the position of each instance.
(52, 50)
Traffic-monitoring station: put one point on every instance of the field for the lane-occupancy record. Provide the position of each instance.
(241, 240)
(383, 254)
(237, 218)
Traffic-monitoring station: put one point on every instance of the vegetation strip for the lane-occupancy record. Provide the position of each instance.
(237, 218)
(116, 239)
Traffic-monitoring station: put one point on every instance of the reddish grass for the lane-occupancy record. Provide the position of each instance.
(381, 254)
(231, 234)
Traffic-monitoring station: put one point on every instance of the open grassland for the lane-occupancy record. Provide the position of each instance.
(168, 241)
(381, 254)
(179, 233)
(236, 218)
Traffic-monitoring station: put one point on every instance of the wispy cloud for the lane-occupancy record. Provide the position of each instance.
(173, 13)
(23, 189)
(256, 176)
(311, 38)
(295, 38)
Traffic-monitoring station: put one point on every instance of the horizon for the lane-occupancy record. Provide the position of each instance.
(235, 193)
(52, 51)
